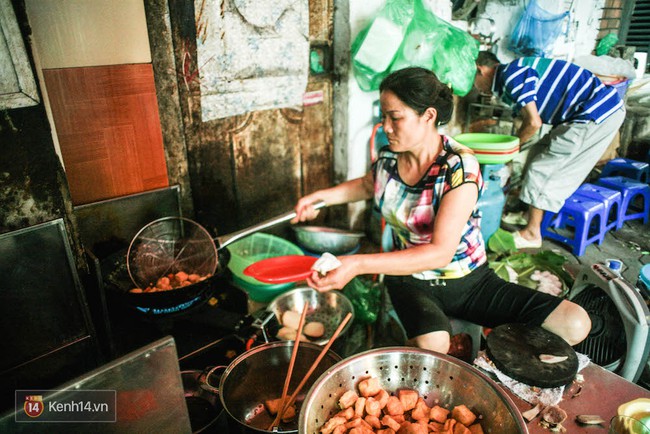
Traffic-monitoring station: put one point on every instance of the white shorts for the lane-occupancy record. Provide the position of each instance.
(561, 160)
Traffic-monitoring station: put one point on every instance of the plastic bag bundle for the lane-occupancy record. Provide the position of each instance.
(536, 31)
(365, 296)
(405, 33)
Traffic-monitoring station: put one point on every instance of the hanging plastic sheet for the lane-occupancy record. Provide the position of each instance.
(536, 31)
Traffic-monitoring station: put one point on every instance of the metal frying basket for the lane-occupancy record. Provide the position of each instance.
(169, 245)
(438, 378)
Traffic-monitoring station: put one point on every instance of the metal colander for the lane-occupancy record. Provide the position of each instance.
(328, 308)
(439, 379)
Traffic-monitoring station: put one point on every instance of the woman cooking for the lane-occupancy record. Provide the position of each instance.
(426, 186)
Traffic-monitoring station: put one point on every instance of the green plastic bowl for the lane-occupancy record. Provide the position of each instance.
(490, 148)
(254, 248)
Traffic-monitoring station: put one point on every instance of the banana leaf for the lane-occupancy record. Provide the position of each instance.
(502, 242)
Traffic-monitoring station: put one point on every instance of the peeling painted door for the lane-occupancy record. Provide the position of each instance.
(249, 167)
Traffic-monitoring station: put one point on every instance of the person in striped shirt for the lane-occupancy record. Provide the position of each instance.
(584, 113)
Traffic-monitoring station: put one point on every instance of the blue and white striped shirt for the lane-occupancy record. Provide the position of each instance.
(563, 92)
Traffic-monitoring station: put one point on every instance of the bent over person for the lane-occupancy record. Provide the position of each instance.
(585, 115)
(426, 186)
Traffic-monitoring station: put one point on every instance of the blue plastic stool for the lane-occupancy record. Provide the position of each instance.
(586, 216)
(631, 190)
(612, 199)
(633, 169)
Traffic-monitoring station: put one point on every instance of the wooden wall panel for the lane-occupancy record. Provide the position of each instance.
(109, 130)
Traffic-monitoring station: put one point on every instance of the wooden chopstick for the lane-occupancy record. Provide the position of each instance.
(292, 362)
(324, 351)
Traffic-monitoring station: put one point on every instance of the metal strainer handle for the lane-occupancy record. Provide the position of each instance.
(224, 240)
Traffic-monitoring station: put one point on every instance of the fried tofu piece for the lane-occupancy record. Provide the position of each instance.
(421, 411)
(438, 414)
(332, 423)
(386, 431)
(436, 426)
(273, 405)
(373, 407)
(341, 429)
(390, 422)
(289, 414)
(369, 387)
(348, 413)
(361, 430)
(463, 415)
(382, 397)
(360, 407)
(459, 428)
(412, 428)
(449, 425)
(394, 406)
(373, 421)
(408, 398)
(357, 422)
(348, 399)
(476, 429)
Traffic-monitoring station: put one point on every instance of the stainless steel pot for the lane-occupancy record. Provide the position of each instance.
(258, 375)
(202, 405)
(438, 378)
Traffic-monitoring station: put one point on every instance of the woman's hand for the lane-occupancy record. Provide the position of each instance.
(305, 208)
(337, 278)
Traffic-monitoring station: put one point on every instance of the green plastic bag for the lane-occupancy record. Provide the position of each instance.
(455, 54)
(365, 296)
(375, 47)
(606, 44)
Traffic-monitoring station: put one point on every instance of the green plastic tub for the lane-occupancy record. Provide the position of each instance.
(490, 148)
(254, 248)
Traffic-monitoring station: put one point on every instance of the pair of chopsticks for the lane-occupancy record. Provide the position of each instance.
(285, 405)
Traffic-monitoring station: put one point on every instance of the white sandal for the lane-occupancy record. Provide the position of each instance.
(523, 243)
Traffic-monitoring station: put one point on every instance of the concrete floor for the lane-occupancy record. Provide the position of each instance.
(630, 244)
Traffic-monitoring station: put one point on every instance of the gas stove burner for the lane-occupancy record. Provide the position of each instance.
(195, 302)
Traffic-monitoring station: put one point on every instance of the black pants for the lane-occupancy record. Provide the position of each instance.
(481, 297)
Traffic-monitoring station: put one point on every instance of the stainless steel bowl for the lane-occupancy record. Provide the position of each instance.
(438, 378)
(328, 308)
(321, 239)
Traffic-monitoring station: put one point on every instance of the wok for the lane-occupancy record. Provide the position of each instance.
(174, 244)
(116, 275)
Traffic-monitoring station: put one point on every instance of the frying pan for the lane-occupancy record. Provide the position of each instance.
(175, 244)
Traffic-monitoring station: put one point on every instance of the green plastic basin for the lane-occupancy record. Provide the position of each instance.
(490, 148)
(254, 248)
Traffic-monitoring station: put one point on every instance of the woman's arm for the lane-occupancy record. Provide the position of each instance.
(453, 214)
(346, 192)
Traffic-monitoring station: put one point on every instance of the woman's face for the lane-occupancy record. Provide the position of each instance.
(404, 128)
